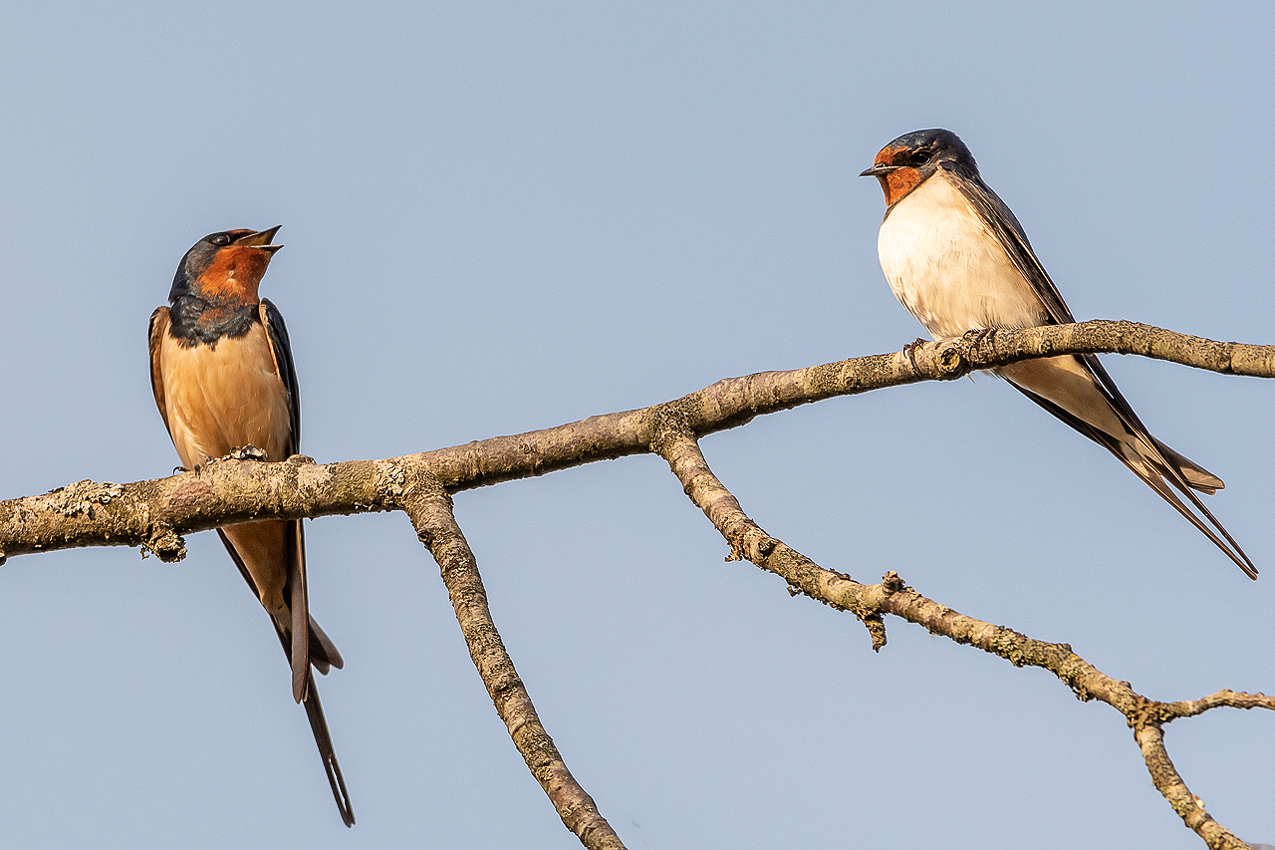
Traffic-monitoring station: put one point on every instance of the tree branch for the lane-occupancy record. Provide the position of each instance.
(892, 596)
(1223, 698)
(154, 514)
(430, 509)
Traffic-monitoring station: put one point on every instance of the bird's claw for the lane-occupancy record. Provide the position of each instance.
(975, 338)
(910, 351)
(248, 452)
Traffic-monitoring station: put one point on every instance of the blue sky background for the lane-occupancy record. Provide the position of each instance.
(501, 217)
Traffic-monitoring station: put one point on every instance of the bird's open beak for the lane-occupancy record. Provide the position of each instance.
(260, 239)
(878, 169)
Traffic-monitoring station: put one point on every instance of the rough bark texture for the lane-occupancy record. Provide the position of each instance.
(155, 514)
(430, 509)
(892, 596)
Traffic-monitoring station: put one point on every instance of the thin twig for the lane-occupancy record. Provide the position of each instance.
(1222, 699)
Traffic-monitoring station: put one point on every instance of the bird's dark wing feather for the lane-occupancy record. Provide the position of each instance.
(1166, 464)
(323, 653)
(160, 321)
(277, 331)
(1183, 474)
(1000, 218)
(281, 349)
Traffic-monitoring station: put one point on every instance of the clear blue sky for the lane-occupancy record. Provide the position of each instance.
(500, 218)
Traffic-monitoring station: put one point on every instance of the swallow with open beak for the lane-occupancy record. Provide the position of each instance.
(223, 378)
(958, 260)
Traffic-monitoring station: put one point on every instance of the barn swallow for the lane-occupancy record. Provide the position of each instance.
(223, 378)
(958, 259)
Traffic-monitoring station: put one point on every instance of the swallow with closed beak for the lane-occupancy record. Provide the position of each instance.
(223, 378)
(958, 260)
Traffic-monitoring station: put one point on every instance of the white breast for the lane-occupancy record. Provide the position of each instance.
(948, 268)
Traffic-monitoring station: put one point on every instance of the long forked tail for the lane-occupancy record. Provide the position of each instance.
(319, 725)
(1153, 462)
(1169, 473)
(323, 655)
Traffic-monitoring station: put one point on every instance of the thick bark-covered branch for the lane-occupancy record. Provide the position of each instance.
(430, 509)
(154, 514)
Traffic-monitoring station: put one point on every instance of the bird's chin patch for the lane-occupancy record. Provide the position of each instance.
(899, 182)
(235, 273)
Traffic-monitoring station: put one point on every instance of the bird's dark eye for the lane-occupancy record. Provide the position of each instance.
(220, 239)
(918, 157)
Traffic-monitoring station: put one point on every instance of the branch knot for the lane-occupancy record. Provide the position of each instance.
(166, 543)
(668, 423)
(949, 362)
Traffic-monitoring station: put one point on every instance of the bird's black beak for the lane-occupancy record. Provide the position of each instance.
(877, 170)
(261, 239)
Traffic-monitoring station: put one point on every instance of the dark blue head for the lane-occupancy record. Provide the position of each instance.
(905, 162)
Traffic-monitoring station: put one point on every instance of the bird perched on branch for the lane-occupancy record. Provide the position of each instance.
(223, 378)
(958, 259)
